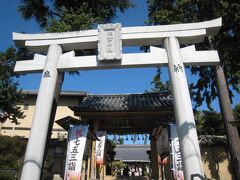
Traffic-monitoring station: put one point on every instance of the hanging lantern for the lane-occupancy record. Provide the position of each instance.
(132, 137)
(127, 137)
(138, 137)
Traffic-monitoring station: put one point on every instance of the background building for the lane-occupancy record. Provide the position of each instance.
(67, 98)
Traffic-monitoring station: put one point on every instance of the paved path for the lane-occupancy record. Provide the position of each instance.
(133, 178)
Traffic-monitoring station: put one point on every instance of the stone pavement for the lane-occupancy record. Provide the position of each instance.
(132, 178)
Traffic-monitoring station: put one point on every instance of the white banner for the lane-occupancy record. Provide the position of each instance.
(76, 145)
(100, 145)
(176, 154)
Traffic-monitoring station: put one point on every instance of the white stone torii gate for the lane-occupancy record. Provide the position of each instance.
(109, 40)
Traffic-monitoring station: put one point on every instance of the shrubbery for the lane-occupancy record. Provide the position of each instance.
(11, 158)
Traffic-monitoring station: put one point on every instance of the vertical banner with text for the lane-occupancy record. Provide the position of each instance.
(100, 145)
(177, 168)
(76, 145)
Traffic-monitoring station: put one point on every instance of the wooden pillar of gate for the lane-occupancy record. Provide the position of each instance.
(93, 161)
(94, 170)
(154, 159)
(102, 172)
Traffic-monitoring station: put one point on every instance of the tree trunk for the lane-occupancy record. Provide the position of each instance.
(227, 115)
(1, 125)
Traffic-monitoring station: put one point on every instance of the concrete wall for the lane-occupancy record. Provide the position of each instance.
(216, 163)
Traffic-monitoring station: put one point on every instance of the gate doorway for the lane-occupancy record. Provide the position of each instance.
(128, 116)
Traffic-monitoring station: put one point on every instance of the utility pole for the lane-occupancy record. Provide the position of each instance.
(227, 115)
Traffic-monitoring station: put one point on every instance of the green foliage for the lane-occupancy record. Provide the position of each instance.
(11, 158)
(36, 9)
(118, 165)
(226, 42)
(236, 112)
(159, 86)
(209, 123)
(9, 95)
(110, 146)
(120, 141)
(69, 12)
(102, 9)
(73, 20)
(110, 153)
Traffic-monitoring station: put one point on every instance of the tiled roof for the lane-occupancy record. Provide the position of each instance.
(132, 153)
(66, 121)
(211, 140)
(126, 102)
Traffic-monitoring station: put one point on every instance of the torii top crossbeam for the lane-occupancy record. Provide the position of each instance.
(144, 35)
(189, 33)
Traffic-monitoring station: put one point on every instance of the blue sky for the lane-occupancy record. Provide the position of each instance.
(96, 82)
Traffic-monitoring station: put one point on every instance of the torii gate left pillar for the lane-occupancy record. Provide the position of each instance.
(37, 140)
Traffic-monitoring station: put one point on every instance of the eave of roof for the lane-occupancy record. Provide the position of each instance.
(63, 93)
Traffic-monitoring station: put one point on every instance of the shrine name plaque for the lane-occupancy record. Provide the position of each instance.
(109, 42)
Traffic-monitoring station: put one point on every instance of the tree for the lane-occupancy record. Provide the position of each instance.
(228, 46)
(209, 123)
(88, 12)
(117, 166)
(159, 86)
(11, 158)
(110, 153)
(226, 42)
(236, 112)
(9, 94)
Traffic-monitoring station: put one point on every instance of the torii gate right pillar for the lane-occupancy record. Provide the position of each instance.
(191, 157)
